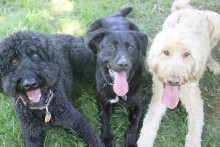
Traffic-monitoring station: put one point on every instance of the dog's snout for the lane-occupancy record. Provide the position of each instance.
(173, 81)
(122, 63)
(29, 83)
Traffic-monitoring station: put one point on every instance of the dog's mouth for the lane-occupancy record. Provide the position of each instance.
(37, 99)
(120, 82)
(170, 96)
(34, 98)
(34, 95)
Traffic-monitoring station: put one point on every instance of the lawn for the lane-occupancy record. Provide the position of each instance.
(74, 17)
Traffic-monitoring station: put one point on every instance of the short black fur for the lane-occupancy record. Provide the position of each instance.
(34, 65)
(119, 46)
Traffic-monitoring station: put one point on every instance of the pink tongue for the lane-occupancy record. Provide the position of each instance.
(171, 96)
(34, 94)
(120, 86)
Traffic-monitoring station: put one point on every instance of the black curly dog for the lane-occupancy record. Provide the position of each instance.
(38, 70)
(118, 45)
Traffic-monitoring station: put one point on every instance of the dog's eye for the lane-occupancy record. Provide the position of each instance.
(111, 47)
(35, 57)
(130, 48)
(14, 61)
(166, 52)
(185, 55)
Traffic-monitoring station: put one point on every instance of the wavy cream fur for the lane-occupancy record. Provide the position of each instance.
(190, 30)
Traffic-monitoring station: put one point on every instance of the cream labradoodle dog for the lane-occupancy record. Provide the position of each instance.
(177, 59)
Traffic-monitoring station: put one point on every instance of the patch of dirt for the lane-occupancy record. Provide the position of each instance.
(217, 108)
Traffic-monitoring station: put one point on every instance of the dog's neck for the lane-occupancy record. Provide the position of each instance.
(47, 103)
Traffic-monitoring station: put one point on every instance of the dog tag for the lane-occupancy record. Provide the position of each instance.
(47, 117)
(124, 98)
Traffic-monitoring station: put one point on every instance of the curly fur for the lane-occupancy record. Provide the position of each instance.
(181, 51)
(52, 62)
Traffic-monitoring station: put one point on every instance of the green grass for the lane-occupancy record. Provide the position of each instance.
(74, 17)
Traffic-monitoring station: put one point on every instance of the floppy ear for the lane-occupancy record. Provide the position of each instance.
(142, 41)
(94, 38)
(95, 34)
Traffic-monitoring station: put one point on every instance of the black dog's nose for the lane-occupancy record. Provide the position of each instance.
(173, 81)
(29, 83)
(122, 63)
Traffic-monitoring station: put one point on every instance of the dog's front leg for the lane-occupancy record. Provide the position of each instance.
(194, 106)
(153, 117)
(33, 140)
(107, 136)
(151, 123)
(70, 118)
(31, 125)
(32, 134)
(135, 113)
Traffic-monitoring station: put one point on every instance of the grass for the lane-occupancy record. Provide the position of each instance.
(74, 17)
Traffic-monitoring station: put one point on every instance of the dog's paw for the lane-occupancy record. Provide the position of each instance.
(144, 143)
(214, 67)
(192, 141)
(131, 145)
(109, 142)
(190, 144)
(131, 140)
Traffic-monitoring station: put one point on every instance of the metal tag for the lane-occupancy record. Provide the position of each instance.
(124, 98)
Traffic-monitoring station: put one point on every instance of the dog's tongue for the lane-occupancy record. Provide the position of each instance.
(171, 96)
(34, 94)
(120, 86)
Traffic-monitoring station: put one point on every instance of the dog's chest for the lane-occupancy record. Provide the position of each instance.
(107, 91)
(117, 98)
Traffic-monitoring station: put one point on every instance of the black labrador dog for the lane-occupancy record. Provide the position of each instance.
(118, 45)
(39, 70)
